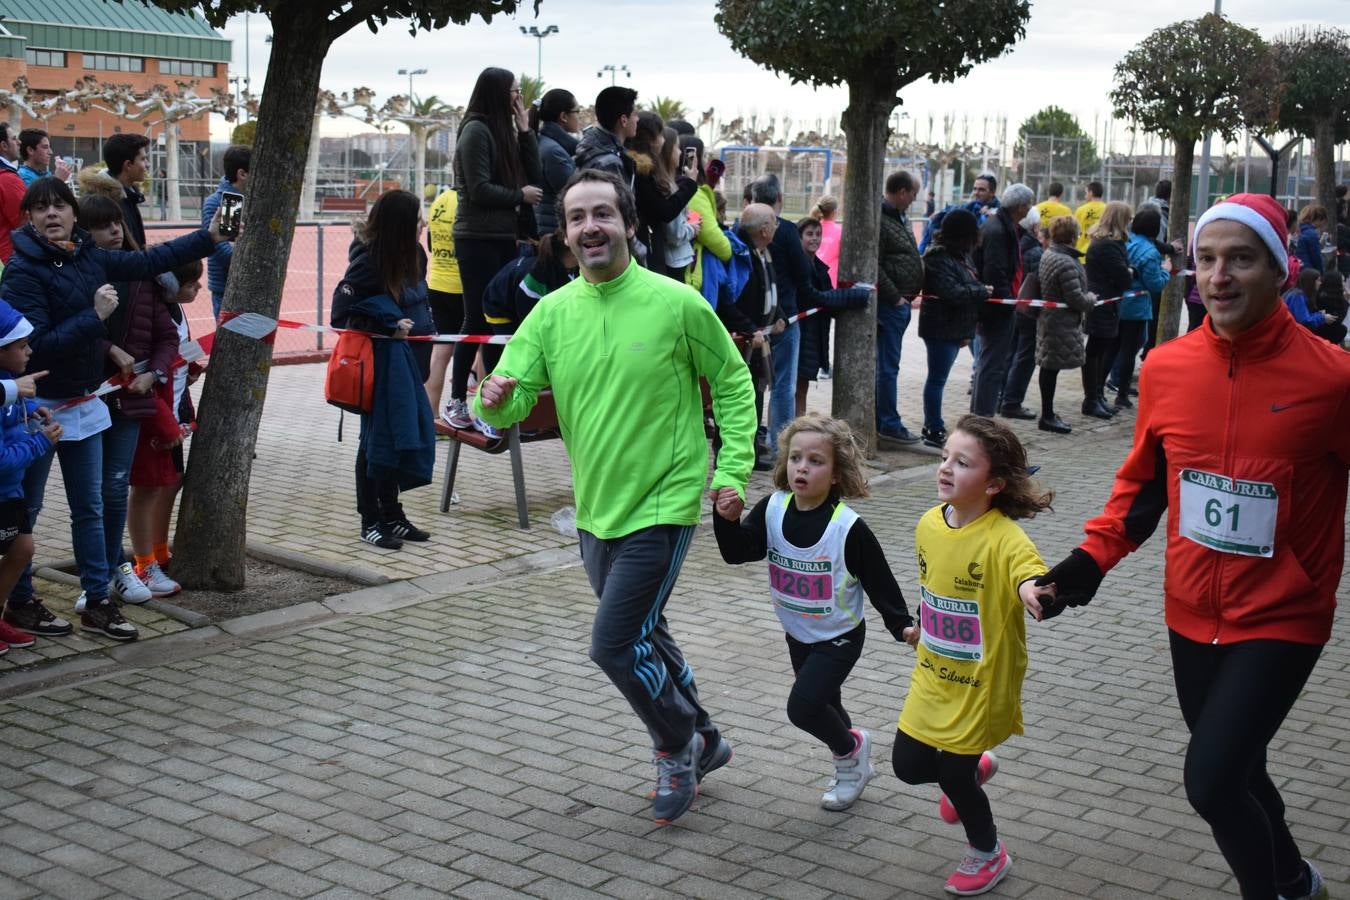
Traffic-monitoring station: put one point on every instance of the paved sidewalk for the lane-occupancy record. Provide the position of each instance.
(447, 735)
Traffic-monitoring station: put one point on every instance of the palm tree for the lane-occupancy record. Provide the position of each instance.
(423, 118)
(668, 108)
(531, 89)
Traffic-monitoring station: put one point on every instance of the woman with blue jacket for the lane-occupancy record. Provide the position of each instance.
(384, 292)
(61, 281)
(556, 118)
(1136, 310)
(1312, 221)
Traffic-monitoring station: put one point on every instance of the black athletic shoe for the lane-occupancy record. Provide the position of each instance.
(1053, 424)
(35, 618)
(374, 535)
(934, 438)
(405, 530)
(1017, 412)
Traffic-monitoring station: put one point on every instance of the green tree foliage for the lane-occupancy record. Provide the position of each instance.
(1186, 79)
(1058, 144)
(531, 89)
(1315, 66)
(213, 519)
(245, 133)
(667, 108)
(875, 48)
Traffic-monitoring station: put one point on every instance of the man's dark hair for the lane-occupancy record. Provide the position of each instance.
(4, 131)
(989, 177)
(1095, 188)
(1056, 189)
(900, 181)
(748, 192)
(28, 139)
(681, 127)
(1164, 190)
(237, 157)
(766, 190)
(613, 102)
(624, 197)
(121, 149)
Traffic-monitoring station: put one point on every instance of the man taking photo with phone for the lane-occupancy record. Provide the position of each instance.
(236, 163)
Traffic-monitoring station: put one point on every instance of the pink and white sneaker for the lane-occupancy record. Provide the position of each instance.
(979, 871)
(987, 769)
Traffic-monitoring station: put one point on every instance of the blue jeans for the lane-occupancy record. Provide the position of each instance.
(216, 300)
(991, 370)
(82, 472)
(941, 356)
(119, 448)
(783, 393)
(891, 324)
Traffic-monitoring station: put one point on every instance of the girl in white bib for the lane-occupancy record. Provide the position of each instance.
(822, 560)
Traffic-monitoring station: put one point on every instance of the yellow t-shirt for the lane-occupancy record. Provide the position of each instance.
(1089, 214)
(443, 272)
(965, 695)
(1051, 209)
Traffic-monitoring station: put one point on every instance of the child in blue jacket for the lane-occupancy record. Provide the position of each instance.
(27, 432)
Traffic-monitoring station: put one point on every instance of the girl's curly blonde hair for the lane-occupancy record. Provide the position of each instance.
(849, 479)
(1022, 496)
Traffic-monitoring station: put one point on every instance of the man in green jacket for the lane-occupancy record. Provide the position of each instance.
(623, 349)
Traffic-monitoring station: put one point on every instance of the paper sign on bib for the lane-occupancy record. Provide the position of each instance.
(950, 627)
(801, 586)
(1228, 514)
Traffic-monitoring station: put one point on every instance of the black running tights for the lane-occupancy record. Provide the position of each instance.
(1234, 697)
(815, 704)
(917, 763)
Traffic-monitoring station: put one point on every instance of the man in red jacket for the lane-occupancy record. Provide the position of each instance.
(11, 190)
(1242, 440)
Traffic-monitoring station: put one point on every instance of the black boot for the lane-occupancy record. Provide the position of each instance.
(1096, 409)
(1054, 424)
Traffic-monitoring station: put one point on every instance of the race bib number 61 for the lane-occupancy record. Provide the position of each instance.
(1227, 514)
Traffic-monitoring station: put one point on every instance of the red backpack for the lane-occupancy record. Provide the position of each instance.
(350, 383)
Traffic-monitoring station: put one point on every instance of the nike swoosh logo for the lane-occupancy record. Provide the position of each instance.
(1281, 407)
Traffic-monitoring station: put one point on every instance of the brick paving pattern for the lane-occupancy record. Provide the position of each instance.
(463, 744)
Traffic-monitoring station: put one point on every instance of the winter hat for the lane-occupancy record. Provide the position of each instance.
(13, 326)
(1261, 214)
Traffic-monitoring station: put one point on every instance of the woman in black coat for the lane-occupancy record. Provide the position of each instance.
(820, 292)
(1108, 275)
(952, 297)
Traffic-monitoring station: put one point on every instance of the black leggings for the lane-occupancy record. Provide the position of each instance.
(1048, 379)
(1101, 353)
(376, 498)
(815, 705)
(1131, 339)
(917, 763)
(1234, 697)
(479, 260)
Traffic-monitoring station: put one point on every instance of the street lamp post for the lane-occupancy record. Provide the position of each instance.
(410, 73)
(613, 71)
(534, 32)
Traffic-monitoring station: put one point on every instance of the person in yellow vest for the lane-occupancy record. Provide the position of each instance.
(1054, 205)
(1090, 213)
(444, 292)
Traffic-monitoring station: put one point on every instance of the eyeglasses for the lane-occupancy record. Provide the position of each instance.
(515, 90)
(575, 111)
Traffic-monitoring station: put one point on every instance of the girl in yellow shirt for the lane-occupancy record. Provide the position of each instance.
(976, 573)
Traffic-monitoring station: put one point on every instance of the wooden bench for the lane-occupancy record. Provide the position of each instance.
(342, 204)
(540, 425)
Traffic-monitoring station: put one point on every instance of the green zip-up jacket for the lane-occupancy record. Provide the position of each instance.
(624, 358)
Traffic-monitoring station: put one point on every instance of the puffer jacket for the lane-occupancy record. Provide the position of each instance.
(600, 149)
(53, 287)
(953, 295)
(141, 325)
(655, 209)
(488, 209)
(814, 350)
(1308, 247)
(1149, 278)
(18, 448)
(1059, 334)
(556, 149)
(899, 266)
(1108, 275)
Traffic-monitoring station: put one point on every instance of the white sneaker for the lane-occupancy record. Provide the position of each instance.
(127, 587)
(851, 774)
(159, 584)
(485, 429)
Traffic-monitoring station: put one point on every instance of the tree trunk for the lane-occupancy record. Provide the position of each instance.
(418, 135)
(855, 331)
(1178, 225)
(309, 191)
(212, 521)
(1324, 166)
(171, 176)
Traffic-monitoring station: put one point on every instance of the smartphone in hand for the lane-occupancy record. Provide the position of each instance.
(231, 213)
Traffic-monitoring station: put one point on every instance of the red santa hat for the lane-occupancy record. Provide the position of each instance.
(1262, 214)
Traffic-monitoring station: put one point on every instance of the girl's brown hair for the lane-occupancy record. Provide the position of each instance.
(1022, 496)
(849, 480)
(1114, 224)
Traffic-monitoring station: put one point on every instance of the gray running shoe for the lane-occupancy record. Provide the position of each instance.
(851, 774)
(714, 757)
(676, 781)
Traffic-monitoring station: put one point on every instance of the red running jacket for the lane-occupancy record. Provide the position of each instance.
(1273, 408)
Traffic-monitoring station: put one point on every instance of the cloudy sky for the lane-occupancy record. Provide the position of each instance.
(675, 49)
